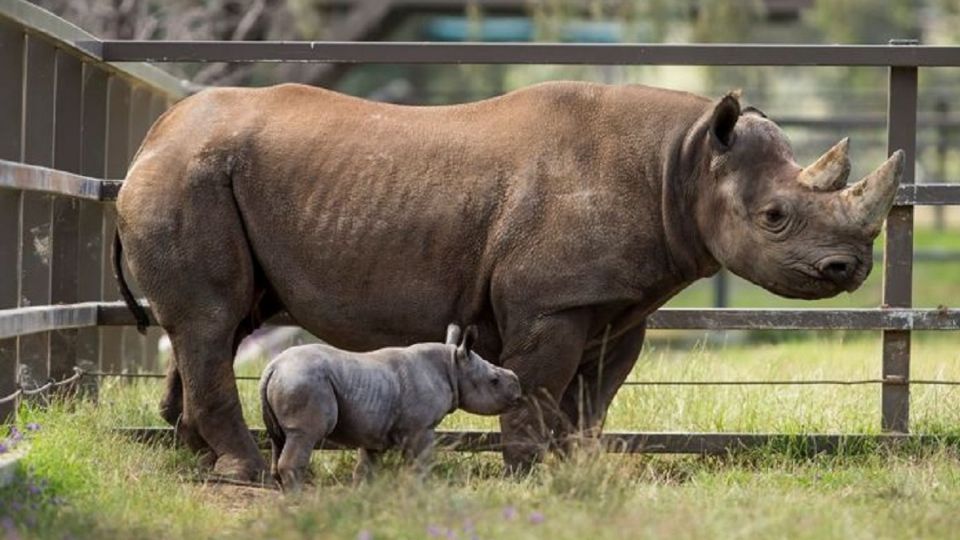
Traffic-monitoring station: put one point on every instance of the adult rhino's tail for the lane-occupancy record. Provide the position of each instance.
(274, 431)
(143, 320)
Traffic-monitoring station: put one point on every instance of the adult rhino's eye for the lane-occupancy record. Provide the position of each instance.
(774, 218)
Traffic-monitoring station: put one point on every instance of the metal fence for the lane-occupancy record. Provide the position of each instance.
(67, 120)
(77, 118)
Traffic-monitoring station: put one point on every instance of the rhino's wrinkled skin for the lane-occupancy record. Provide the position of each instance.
(550, 217)
(391, 397)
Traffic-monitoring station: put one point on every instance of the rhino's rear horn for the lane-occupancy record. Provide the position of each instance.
(869, 200)
(830, 172)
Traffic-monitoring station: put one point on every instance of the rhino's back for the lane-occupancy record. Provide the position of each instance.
(378, 224)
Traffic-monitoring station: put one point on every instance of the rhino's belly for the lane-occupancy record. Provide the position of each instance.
(359, 427)
(345, 302)
(367, 277)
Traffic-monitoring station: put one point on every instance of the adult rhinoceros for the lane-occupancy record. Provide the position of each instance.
(550, 217)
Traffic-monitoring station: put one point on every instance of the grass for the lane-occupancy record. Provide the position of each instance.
(86, 482)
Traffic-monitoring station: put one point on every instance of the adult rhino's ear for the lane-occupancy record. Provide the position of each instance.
(453, 334)
(724, 120)
(469, 338)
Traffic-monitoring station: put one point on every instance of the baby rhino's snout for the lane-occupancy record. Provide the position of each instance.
(509, 384)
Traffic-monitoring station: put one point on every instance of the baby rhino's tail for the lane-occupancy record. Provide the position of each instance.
(274, 431)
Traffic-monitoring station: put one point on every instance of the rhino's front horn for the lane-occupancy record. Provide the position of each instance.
(869, 200)
(830, 172)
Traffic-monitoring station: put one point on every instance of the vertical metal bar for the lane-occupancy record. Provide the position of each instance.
(898, 251)
(118, 126)
(943, 145)
(66, 210)
(11, 109)
(36, 209)
(92, 163)
(721, 289)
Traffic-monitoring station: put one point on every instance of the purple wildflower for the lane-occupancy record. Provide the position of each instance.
(33, 426)
(536, 518)
(364, 535)
(9, 529)
(509, 512)
(434, 531)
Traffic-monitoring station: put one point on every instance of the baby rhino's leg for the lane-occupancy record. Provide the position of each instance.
(366, 463)
(418, 450)
(312, 419)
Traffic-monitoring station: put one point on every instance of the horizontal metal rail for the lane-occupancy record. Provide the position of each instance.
(745, 382)
(117, 314)
(31, 320)
(25, 177)
(67, 35)
(644, 442)
(805, 319)
(521, 53)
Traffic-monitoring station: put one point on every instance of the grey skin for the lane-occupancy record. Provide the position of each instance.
(389, 398)
(551, 217)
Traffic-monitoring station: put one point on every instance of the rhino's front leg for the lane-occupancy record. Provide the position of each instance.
(545, 354)
(418, 451)
(602, 372)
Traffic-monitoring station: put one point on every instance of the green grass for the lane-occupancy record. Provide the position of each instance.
(101, 485)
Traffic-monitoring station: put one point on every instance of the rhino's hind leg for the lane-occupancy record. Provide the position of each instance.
(189, 252)
(171, 410)
(293, 466)
(367, 461)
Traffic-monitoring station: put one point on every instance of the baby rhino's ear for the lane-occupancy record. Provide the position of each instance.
(469, 338)
(453, 334)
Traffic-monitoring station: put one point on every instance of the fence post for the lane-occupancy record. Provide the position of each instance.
(898, 251)
(36, 209)
(943, 140)
(11, 101)
(90, 256)
(721, 289)
(66, 210)
(118, 125)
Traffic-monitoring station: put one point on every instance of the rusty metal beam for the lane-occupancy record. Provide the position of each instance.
(117, 314)
(397, 52)
(643, 442)
(898, 248)
(29, 320)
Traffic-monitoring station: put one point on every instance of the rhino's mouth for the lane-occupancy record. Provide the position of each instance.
(806, 282)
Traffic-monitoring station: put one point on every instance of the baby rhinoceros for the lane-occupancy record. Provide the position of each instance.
(374, 401)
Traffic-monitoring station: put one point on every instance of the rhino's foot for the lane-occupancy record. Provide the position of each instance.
(207, 459)
(241, 468)
(519, 458)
